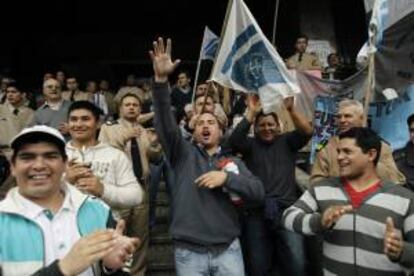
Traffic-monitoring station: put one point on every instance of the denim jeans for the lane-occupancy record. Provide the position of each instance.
(269, 251)
(211, 262)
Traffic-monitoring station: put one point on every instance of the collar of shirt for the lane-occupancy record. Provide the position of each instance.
(33, 210)
(54, 106)
(128, 123)
(203, 149)
(10, 107)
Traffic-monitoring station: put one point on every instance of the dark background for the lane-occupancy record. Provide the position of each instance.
(111, 39)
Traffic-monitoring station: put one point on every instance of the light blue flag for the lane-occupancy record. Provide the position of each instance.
(248, 62)
(210, 45)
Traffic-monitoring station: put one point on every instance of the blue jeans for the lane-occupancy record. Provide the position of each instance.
(218, 263)
(268, 251)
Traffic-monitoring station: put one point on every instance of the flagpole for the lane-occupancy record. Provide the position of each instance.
(198, 70)
(275, 22)
(372, 32)
(370, 86)
(223, 30)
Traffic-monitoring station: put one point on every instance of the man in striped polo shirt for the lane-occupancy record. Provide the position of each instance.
(367, 224)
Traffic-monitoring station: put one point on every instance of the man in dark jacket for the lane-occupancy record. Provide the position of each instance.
(405, 156)
(271, 156)
(208, 183)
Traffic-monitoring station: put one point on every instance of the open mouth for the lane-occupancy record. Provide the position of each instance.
(205, 135)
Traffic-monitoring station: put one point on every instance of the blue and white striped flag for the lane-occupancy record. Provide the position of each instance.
(248, 62)
(210, 45)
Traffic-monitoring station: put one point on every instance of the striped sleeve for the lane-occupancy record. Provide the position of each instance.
(407, 257)
(303, 216)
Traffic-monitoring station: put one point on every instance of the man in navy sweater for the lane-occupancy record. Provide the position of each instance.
(208, 184)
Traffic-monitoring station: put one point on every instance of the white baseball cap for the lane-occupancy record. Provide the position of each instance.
(38, 131)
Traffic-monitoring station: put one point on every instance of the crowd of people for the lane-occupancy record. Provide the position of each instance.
(79, 174)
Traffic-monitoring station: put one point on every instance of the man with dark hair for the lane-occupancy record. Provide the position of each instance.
(14, 116)
(96, 168)
(207, 184)
(405, 156)
(271, 156)
(61, 78)
(301, 60)
(4, 83)
(48, 227)
(102, 97)
(74, 93)
(367, 223)
(181, 94)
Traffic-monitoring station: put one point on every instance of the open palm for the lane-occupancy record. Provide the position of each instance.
(161, 59)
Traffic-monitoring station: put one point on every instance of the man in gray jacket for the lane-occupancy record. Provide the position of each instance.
(208, 184)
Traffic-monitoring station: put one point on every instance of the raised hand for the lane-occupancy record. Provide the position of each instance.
(289, 101)
(254, 107)
(161, 60)
(393, 242)
(333, 214)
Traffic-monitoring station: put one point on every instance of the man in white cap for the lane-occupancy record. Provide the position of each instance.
(49, 227)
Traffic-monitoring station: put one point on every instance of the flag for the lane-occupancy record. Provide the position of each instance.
(209, 45)
(392, 40)
(389, 119)
(208, 51)
(246, 61)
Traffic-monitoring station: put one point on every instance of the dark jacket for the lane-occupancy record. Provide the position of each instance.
(274, 163)
(405, 163)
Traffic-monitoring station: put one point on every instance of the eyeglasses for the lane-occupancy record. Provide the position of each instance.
(53, 86)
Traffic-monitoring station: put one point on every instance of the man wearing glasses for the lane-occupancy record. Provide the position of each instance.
(55, 109)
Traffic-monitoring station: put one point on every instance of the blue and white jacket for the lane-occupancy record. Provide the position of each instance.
(22, 241)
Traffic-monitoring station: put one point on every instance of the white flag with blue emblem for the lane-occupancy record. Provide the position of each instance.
(210, 45)
(248, 62)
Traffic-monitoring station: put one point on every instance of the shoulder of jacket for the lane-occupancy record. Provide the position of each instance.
(111, 122)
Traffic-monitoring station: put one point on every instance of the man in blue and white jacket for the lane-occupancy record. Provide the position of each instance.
(48, 227)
